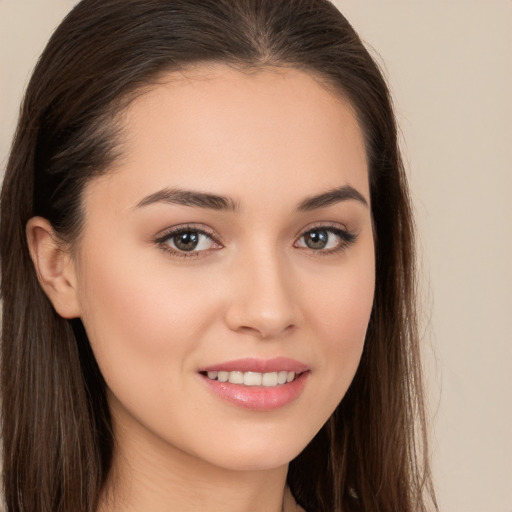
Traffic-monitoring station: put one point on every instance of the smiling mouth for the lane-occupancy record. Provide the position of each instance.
(257, 384)
(252, 379)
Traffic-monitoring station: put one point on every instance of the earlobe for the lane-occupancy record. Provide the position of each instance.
(54, 267)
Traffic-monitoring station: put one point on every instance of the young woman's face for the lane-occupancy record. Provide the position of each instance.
(225, 274)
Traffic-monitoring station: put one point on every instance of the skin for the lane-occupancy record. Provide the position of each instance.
(267, 140)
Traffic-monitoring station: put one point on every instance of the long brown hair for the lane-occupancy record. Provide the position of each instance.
(56, 425)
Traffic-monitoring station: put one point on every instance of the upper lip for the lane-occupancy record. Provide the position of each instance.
(275, 364)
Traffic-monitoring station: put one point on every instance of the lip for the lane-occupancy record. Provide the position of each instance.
(275, 364)
(258, 398)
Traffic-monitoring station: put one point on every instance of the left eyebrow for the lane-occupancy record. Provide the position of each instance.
(331, 197)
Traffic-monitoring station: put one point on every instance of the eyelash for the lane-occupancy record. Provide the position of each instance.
(162, 240)
(346, 238)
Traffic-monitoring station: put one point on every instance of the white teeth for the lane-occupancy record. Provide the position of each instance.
(270, 379)
(236, 377)
(223, 376)
(252, 379)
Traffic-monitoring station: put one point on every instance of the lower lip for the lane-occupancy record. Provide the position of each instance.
(258, 398)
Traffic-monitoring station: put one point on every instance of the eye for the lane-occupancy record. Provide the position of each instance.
(185, 240)
(326, 238)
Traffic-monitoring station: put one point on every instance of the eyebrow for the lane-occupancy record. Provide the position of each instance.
(189, 198)
(217, 202)
(331, 197)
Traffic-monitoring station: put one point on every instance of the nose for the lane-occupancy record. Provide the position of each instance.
(263, 301)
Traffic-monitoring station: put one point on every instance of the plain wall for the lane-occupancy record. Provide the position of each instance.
(449, 66)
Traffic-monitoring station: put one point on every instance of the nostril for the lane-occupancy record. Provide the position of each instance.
(265, 306)
(266, 330)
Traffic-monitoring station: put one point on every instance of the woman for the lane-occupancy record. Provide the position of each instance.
(208, 268)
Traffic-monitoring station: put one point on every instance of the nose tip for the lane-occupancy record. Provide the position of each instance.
(264, 325)
(263, 304)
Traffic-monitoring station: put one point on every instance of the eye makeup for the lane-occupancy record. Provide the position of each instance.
(192, 241)
(188, 241)
(326, 239)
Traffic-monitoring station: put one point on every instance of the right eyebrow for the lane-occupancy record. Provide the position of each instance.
(189, 198)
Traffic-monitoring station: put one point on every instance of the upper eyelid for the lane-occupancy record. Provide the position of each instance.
(175, 230)
(210, 232)
(345, 234)
(333, 226)
(213, 235)
(161, 240)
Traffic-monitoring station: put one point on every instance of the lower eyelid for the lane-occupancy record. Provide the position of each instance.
(345, 237)
(166, 243)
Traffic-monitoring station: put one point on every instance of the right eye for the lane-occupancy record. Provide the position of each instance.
(185, 242)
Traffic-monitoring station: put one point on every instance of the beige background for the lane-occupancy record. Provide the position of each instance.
(449, 64)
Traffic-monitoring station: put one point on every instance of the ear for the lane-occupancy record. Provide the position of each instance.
(54, 266)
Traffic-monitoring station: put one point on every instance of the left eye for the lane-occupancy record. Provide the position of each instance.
(323, 238)
(189, 241)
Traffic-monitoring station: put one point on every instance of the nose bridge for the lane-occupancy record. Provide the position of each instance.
(263, 301)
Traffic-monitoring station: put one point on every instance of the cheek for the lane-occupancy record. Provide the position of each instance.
(344, 339)
(342, 296)
(342, 312)
(349, 310)
(141, 319)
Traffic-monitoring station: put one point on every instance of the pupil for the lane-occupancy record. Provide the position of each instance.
(317, 239)
(186, 241)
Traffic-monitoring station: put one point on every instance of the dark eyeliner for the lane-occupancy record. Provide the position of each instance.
(346, 237)
(161, 240)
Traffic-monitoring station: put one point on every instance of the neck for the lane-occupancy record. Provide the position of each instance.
(148, 474)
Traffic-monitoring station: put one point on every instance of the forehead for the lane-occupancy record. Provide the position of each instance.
(231, 131)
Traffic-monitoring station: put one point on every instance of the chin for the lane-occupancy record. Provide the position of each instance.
(265, 452)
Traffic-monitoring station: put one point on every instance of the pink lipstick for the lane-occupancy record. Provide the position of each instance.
(258, 384)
